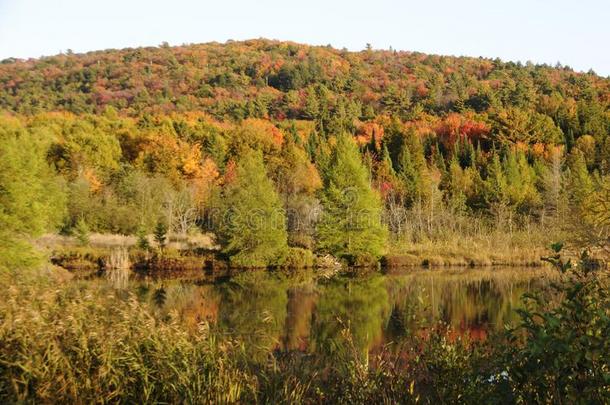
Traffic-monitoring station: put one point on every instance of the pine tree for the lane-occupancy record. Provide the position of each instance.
(580, 183)
(350, 226)
(457, 185)
(495, 183)
(32, 199)
(253, 229)
(521, 182)
(531, 199)
(513, 178)
(438, 159)
(81, 231)
(160, 234)
(413, 170)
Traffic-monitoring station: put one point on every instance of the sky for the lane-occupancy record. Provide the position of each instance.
(574, 33)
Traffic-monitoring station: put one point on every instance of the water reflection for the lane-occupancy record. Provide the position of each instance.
(271, 312)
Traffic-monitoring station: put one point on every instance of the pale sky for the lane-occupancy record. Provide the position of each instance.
(575, 33)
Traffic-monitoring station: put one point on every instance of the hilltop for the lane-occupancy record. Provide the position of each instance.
(264, 78)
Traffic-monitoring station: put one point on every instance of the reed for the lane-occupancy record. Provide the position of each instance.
(118, 267)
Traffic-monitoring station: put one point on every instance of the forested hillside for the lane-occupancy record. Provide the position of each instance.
(319, 139)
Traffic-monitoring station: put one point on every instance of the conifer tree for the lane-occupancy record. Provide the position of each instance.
(521, 182)
(495, 183)
(438, 159)
(350, 226)
(580, 183)
(253, 227)
(457, 184)
(32, 199)
(413, 170)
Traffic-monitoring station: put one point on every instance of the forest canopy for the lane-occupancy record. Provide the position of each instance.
(134, 137)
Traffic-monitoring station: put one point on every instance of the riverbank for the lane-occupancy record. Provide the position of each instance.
(199, 253)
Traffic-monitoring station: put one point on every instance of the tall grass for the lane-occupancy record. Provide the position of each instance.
(87, 342)
(83, 344)
(117, 268)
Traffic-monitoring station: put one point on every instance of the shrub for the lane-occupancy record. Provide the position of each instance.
(566, 350)
(299, 258)
(363, 260)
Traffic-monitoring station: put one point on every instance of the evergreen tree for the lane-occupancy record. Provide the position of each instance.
(253, 229)
(161, 234)
(580, 182)
(438, 159)
(413, 170)
(495, 183)
(386, 168)
(81, 231)
(32, 199)
(457, 186)
(521, 182)
(350, 226)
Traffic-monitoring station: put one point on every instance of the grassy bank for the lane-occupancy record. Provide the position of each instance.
(198, 252)
(485, 249)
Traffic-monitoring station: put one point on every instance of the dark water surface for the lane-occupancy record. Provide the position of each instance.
(274, 312)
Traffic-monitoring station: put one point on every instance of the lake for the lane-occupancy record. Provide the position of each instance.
(271, 312)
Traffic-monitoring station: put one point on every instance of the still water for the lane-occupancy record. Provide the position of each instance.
(274, 312)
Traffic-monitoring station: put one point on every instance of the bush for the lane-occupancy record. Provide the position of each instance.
(363, 260)
(299, 258)
(565, 355)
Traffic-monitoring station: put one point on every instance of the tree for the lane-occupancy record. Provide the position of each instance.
(253, 226)
(593, 226)
(520, 178)
(580, 183)
(350, 225)
(32, 198)
(496, 186)
(413, 170)
(552, 179)
(81, 231)
(297, 181)
(160, 234)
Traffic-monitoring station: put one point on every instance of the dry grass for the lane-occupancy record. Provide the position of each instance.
(111, 241)
(495, 249)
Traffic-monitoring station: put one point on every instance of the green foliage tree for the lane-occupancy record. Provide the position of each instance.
(143, 242)
(413, 170)
(160, 234)
(521, 182)
(32, 198)
(580, 182)
(253, 226)
(350, 226)
(81, 231)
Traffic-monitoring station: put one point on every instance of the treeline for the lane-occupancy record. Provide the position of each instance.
(283, 150)
(274, 193)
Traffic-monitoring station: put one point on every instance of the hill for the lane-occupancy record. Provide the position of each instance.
(447, 145)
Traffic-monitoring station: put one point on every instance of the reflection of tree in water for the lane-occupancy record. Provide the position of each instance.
(360, 304)
(253, 309)
(268, 312)
(192, 304)
(300, 309)
(469, 301)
